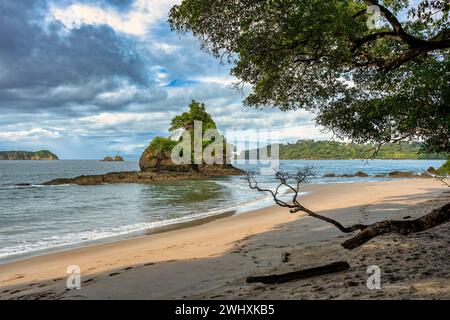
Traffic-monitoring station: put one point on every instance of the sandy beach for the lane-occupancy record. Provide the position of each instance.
(213, 259)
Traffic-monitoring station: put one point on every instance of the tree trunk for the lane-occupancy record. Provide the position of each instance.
(432, 219)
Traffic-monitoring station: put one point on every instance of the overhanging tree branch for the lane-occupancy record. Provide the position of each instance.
(366, 232)
(413, 42)
(415, 46)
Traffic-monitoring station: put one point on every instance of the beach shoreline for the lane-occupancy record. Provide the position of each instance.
(158, 265)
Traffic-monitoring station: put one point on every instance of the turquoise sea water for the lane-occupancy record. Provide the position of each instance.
(36, 219)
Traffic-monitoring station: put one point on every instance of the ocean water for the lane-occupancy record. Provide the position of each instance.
(37, 219)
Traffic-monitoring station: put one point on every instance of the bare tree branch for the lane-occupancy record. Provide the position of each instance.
(300, 177)
(293, 183)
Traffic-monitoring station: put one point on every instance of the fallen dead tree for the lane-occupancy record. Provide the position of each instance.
(366, 232)
(301, 274)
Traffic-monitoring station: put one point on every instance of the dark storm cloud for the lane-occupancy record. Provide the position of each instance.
(47, 66)
(109, 77)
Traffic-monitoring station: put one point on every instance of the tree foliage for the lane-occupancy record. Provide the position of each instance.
(445, 169)
(382, 84)
(197, 112)
(162, 144)
(186, 120)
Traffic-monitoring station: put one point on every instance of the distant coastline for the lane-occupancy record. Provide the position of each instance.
(28, 155)
(333, 150)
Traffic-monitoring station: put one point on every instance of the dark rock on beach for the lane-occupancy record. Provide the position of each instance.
(346, 175)
(329, 175)
(401, 174)
(432, 170)
(361, 174)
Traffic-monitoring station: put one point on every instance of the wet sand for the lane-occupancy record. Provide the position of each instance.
(212, 259)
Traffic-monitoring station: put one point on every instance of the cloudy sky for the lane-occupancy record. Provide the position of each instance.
(89, 78)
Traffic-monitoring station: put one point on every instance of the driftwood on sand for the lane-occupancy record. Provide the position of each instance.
(366, 232)
(301, 274)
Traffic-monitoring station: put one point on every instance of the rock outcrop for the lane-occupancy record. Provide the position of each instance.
(361, 174)
(125, 177)
(160, 161)
(153, 160)
(27, 155)
(156, 162)
(400, 174)
(147, 176)
(329, 175)
(110, 159)
(432, 170)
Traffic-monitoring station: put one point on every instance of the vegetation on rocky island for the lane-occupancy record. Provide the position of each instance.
(333, 150)
(158, 153)
(162, 144)
(28, 155)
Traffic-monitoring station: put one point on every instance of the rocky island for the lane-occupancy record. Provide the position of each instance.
(156, 162)
(28, 155)
(110, 159)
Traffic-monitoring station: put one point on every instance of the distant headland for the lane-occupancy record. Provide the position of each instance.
(28, 155)
(334, 150)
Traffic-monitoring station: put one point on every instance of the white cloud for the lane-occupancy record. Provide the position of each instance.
(122, 119)
(224, 80)
(165, 48)
(136, 21)
(34, 134)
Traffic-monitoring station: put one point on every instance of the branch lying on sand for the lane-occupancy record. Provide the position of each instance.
(428, 221)
(366, 232)
(301, 274)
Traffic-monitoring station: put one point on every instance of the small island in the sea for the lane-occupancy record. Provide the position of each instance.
(156, 161)
(28, 155)
(109, 159)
